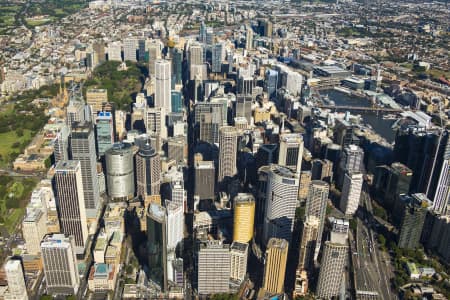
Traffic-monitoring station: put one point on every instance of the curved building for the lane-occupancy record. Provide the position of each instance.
(148, 171)
(120, 172)
(281, 201)
(244, 217)
(228, 137)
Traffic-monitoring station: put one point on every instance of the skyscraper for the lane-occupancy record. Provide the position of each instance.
(334, 258)
(154, 53)
(148, 172)
(441, 201)
(316, 205)
(129, 49)
(115, 51)
(228, 137)
(195, 54)
(34, 227)
(415, 208)
(216, 66)
(244, 107)
(17, 289)
(239, 255)
(157, 245)
(249, 38)
(70, 202)
(60, 265)
(120, 172)
(163, 97)
(61, 145)
(83, 150)
(291, 151)
(351, 192)
(175, 234)
(271, 83)
(214, 266)
(244, 218)
(281, 201)
(310, 232)
(95, 98)
(104, 129)
(275, 267)
(204, 179)
(177, 71)
(176, 101)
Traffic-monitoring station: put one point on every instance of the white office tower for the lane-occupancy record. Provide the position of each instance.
(175, 234)
(228, 138)
(351, 161)
(34, 228)
(17, 289)
(334, 258)
(120, 172)
(291, 151)
(316, 205)
(213, 268)
(281, 201)
(441, 201)
(351, 192)
(249, 38)
(60, 265)
(115, 51)
(61, 144)
(178, 194)
(294, 82)
(154, 53)
(195, 54)
(239, 255)
(162, 92)
(129, 49)
(308, 242)
(70, 202)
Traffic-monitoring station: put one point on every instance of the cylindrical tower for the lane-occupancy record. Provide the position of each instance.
(120, 172)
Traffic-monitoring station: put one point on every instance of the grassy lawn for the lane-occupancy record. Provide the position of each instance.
(38, 22)
(13, 218)
(8, 143)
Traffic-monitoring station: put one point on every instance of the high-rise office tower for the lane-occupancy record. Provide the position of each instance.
(34, 227)
(228, 138)
(246, 85)
(177, 149)
(99, 53)
(104, 129)
(95, 99)
(178, 194)
(83, 150)
(154, 53)
(351, 161)
(310, 232)
(321, 169)
(60, 265)
(291, 151)
(162, 85)
(214, 266)
(415, 209)
(239, 255)
(61, 145)
(441, 200)
(216, 66)
(244, 107)
(271, 82)
(70, 202)
(267, 154)
(202, 33)
(424, 152)
(175, 224)
(177, 63)
(163, 97)
(129, 49)
(249, 38)
(120, 172)
(244, 217)
(115, 51)
(351, 192)
(141, 49)
(204, 179)
(17, 289)
(195, 54)
(305, 180)
(275, 268)
(334, 258)
(281, 201)
(176, 101)
(209, 35)
(157, 245)
(148, 172)
(154, 119)
(75, 112)
(316, 205)
(209, 117)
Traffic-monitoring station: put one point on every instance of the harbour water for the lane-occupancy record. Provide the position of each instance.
(376, 121)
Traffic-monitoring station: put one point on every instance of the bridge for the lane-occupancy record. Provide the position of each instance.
(361, 108)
